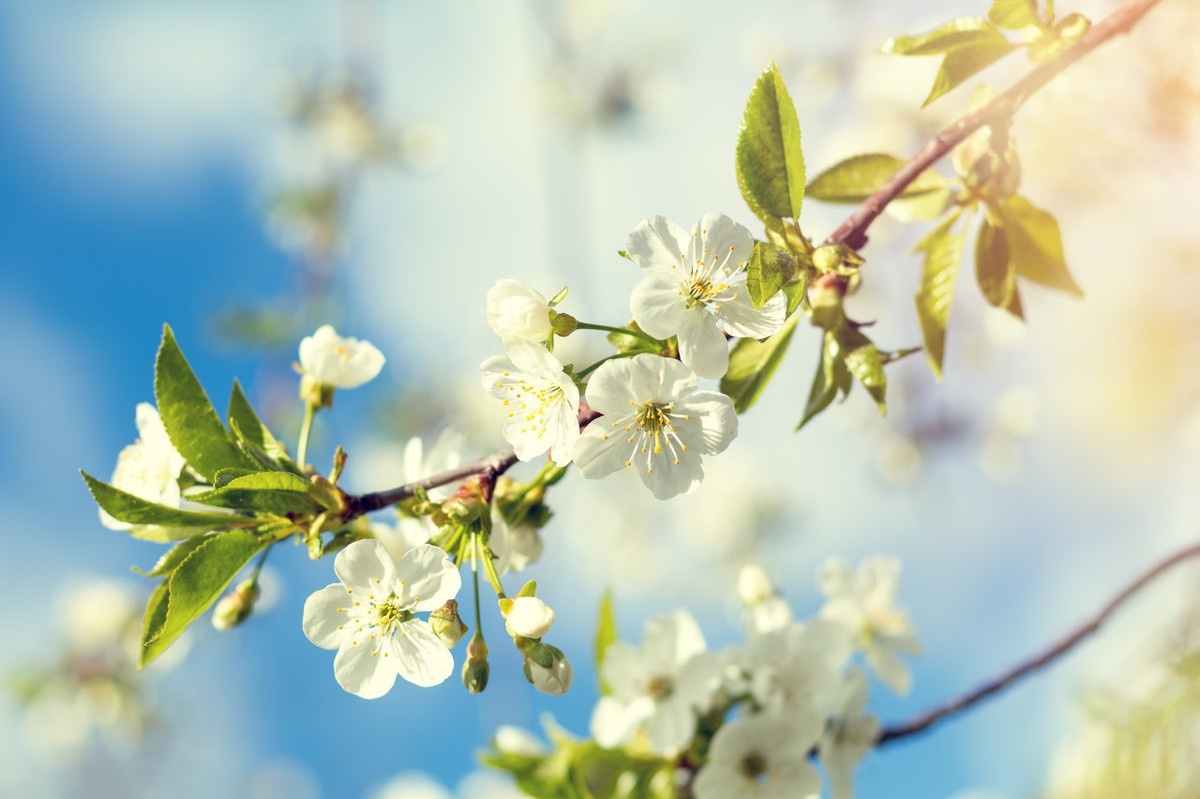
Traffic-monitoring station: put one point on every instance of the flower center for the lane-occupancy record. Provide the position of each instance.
(659, 440)
(661, 686)
(387, 615)
(707, 282)
(753, 766)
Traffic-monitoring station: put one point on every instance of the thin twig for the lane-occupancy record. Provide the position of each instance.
(924, 721)
(853, 231)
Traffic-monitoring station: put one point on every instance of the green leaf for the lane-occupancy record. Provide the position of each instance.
(195, 584)
(865, 362)
(189, 417)
(920, 207)
(768, 269)
(1013, 14)
(606, 635)
(131, 509)
(951, 36)
(832, 376)
(770, 164)
(796, 291)
(279, 493)
(964, 62)
(243, 419)
(858, 177)
(995, 270)
(173, 557)
(752, 364)
(1036, 244)
(943, 253)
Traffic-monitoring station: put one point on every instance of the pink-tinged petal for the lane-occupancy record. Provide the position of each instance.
(658, 244)
(702, 346)
(609, 390)
(714, 414)
(324, 615)
(742, 319)
(601, 449)
(427, 578)
(658, 305)
(363, 564)
(419, 656)
(361, 668)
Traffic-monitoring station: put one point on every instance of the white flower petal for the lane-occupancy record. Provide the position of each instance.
(657, 305)
(419, 656)
(428, 577)
(515, 310)
(742, 319)
(667, 479)
(601, 450)
(361, 669)
(717, 418)
(363, 564)
(702, 346)
(889, 669)
(323, 620)
(658, 244)
(331, 360)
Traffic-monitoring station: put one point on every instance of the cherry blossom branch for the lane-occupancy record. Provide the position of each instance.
(853, 232)
(930, 717)
(489, 467)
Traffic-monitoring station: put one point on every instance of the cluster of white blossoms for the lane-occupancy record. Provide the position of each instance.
(793, 688)
(656, 419)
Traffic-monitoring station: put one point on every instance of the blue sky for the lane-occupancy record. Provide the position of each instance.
(137, 144)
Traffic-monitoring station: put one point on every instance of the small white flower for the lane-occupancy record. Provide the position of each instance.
(863, 603)
(542, 400)
(654, 419)
(762, 757)
(795, 668)
(848, 736)
(330, 360)
(529, 617)
(149, 468)
(765, 609)
(693, 281)
(514, 310)
(662, 686)
(369, 617)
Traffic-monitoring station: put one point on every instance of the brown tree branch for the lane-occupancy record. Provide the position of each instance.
(853, 232)
(924, 721)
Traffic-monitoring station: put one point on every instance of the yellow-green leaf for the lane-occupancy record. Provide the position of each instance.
(770, 163)
(768, 269)
(1013, 14)
(995, 270)
(951, 36)
(865, 362)
(752, 364)
(943, 252)
(176, 523)
(1036, 244)
(858, 177)
(963, 62)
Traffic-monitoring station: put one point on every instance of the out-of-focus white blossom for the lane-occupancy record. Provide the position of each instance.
(330, 360)
(764, 756)
(149, 468)
(848, 736)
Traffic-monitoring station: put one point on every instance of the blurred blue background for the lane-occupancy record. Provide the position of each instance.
(166, 165)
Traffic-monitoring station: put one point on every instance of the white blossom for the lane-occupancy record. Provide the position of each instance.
(149, 468)
(369, 617)
(765, 609)
(514, 310)
(661, 686)
(695, 281)
(515, 546)
(862, 602)
(529, 617)
(848, 736)
(764, 756)
(330, 360)
(542, 400)
(656, 420)
(796, 668)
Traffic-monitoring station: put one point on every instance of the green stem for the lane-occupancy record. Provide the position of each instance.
(475, 578)
(589, 369)
(646, 337)
(310, 411)
(258, 567)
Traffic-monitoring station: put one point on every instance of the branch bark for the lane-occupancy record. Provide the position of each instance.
(922, 722)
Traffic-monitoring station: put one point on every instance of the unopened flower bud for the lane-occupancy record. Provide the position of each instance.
(466, 506)
(562, 324)
(236, 606)
(447, 625)
(548, 669)
(528, 617)
(476, 670)
(316, 394)
(825, 298)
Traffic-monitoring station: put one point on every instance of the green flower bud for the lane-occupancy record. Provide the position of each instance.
(236, 606)
(475, 670)
(825, 299)
(316, 394)
(562, 324)
(548, 669)
(447, 625)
